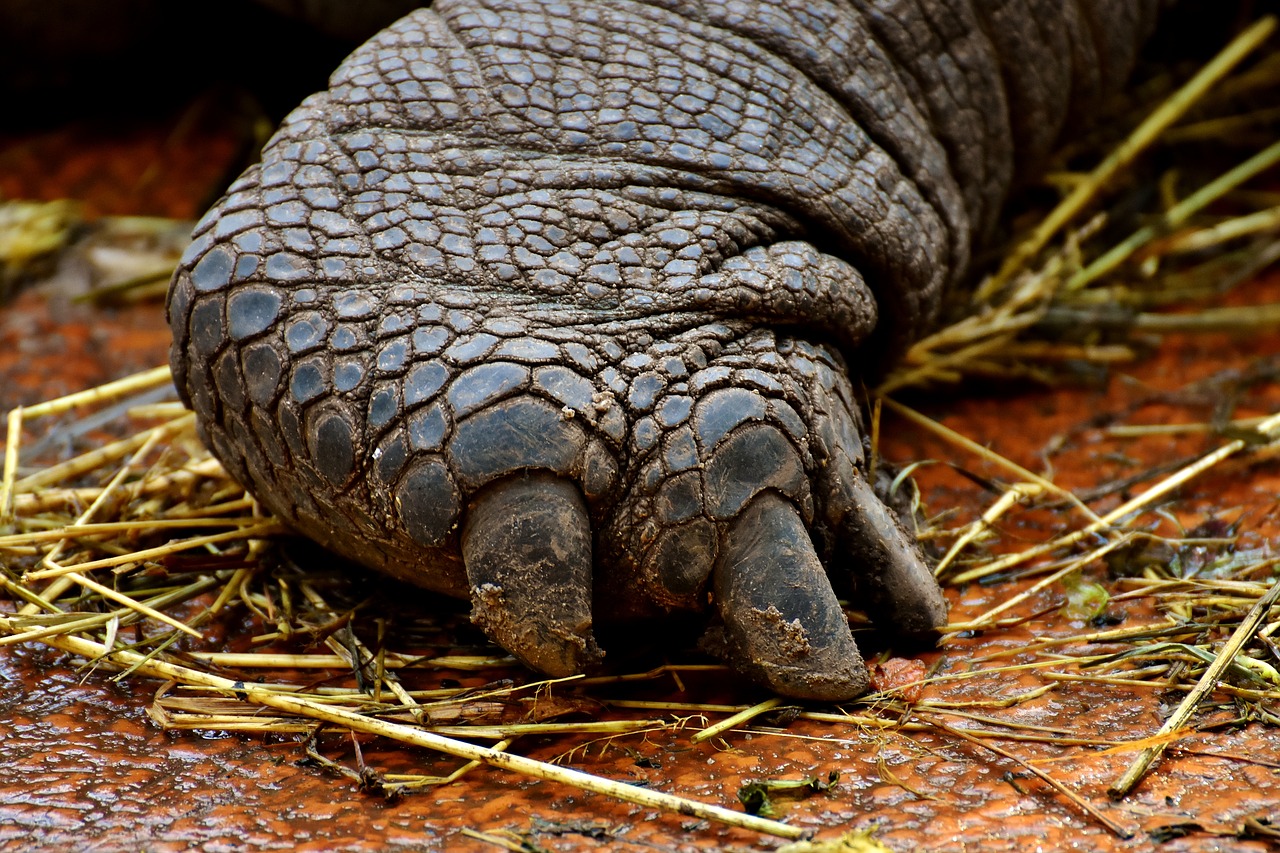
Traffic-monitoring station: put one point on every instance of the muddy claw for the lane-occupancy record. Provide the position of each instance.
(783, 626)
(526, 545)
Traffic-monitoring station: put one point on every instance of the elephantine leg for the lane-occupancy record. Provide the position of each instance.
(563, 306)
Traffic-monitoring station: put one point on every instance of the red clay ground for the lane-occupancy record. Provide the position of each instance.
(82, 767)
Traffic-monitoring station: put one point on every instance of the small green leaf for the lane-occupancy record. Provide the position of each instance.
(757, 797)
(1086, 600)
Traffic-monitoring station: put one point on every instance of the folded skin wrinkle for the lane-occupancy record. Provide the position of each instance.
(555, 305)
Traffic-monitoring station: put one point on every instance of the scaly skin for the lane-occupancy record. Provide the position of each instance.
(553, 304)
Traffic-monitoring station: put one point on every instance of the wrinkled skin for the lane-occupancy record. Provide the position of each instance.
(554, 305)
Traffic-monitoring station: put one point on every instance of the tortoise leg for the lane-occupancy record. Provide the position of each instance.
(526, 544)
(783, 626)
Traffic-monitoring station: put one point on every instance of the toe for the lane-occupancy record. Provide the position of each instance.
(872, 548)
(526, 545)
(894, 583)
(783, 626)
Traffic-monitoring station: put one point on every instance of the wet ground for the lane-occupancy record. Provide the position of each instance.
(83, 767)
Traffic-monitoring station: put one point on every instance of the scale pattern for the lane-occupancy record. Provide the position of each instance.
(553, 303)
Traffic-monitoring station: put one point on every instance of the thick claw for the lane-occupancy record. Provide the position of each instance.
(527, 549)
(782, 624)
(893, 582)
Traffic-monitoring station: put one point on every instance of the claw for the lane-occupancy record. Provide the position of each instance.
(897, 586)
(527, 549)
(782, 624)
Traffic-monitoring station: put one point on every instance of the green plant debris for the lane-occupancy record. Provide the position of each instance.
(759, 797)
(1086, 599)
(860, 841)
